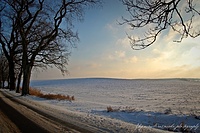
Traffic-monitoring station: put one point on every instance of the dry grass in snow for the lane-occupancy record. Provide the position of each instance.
(120, 109)
(38, 93)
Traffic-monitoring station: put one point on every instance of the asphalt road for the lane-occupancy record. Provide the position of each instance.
(28, 119)
(24, 124)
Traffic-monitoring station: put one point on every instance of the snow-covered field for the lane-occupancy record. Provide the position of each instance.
(172, 104)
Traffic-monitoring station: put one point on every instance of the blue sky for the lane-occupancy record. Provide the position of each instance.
(104, 51)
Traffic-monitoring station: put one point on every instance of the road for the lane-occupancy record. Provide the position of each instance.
(16, 118)
(21, 122)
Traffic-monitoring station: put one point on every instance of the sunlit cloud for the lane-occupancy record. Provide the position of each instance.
(191, 56)
(125, 42)
(179, 72)
(116, 55)
(94, 65)
(161, 60)
(120, 54)
(133, 59)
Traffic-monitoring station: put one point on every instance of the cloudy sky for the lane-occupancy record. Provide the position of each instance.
(104, 51)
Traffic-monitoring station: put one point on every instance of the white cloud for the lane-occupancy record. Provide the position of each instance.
(133, 59)
(125, 42)
(116, 55)
(191, 56)
(120, 54)
(121, 57)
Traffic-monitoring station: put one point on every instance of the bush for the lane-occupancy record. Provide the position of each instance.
(110, 109)
(168, 111)
(38, 93)
(120, 109)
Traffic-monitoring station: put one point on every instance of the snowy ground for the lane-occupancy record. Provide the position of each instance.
(172, 104)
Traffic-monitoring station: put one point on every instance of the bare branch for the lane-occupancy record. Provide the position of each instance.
(158, 15)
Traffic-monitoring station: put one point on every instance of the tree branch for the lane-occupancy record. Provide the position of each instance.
(158, 15)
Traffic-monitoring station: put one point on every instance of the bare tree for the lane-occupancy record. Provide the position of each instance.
(9, 37)
(43, 31)
(155, 16)
(19, 72)
(4, 73)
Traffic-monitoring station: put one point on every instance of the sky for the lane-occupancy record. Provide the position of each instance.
(104, 51)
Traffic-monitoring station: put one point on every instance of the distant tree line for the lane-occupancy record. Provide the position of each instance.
(36, 33)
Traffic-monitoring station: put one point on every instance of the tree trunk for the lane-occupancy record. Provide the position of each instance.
(8, 85)
(3, 84)
(26, 79)
(2, 77)
(19, 81)
(12, 76)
